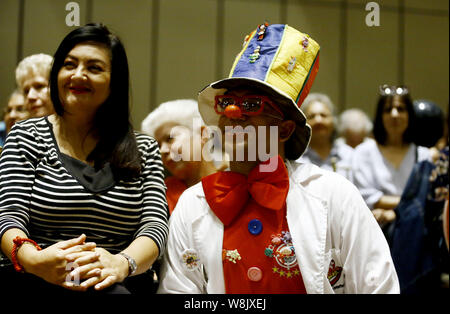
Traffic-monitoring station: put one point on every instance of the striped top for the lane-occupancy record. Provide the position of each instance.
(40, 195)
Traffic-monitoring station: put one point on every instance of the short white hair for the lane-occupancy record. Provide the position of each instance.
(38, 64)
(355, 120)
(181, 112)
(323, 99)
(318, 97)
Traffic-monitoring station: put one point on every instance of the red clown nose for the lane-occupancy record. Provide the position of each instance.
(233, 112)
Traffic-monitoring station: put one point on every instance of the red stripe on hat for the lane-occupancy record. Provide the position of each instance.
(309, 81)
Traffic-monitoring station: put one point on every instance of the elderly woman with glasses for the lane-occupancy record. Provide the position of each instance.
(382, 167)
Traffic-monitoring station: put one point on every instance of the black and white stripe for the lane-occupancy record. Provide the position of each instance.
(41, 197)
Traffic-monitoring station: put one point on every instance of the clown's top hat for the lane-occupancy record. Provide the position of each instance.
(281, 62)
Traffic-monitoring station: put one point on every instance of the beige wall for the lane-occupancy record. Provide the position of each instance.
(176, 47)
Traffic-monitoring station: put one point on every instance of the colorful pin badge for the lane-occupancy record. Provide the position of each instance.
(231, 255)
(334, 273)
(287, 239)
(305, 43)
(292, 64)
(282, 251)
(190, 259)
(262, 30)
(255, 55)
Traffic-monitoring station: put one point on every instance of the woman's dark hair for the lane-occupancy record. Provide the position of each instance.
(117, 143)
(379, 131)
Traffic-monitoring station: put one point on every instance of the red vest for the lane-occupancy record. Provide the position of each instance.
(175, 187)
(258, 255)
(267, 260)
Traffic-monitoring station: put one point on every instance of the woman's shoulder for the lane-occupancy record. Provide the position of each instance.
(144, 141)
(32, 136)
(147, 146)
(36, 124)
(34, 130)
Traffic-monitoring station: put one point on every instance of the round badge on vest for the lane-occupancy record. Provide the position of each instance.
(255, 226)
(254, 274)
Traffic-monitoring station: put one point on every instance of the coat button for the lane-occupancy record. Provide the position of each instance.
(254, 274)
(255, 226)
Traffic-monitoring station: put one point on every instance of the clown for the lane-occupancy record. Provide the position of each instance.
(270, 225)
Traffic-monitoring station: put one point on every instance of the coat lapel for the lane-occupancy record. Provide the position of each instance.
(307, 220)
(208, 237)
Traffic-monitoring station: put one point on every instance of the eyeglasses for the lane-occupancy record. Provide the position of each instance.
(388, 90)
(249, 105)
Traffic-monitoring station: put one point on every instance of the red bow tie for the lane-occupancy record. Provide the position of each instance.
(227, 192)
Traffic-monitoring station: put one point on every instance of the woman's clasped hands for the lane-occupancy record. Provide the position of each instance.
(78, 265)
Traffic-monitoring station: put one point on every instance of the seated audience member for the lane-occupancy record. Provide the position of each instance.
(429, 122)
(270, 225)
(430, 126)
(419, 237)
(16, 110)
(83, 198)
(323, 150)
(354, 127)
(186, 172)
(32, 77)
(382, 167)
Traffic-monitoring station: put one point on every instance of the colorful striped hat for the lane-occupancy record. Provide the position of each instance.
(281, 62)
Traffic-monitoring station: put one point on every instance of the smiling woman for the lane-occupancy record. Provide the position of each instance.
(83, 81)
(79, 175)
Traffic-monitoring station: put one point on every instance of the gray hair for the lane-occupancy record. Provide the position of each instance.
(356, 120)
(319, 97)
(181, 112)
(40, 64)
(323, 99)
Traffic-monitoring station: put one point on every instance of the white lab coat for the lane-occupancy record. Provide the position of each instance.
(328, 220)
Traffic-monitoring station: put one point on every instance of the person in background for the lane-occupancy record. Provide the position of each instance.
(270, 225)
(323, 150)
(431, 127)
(382, 167)
(354, 127)
(15, 110)
(173, 124)
(83, 202)
(32, 77)
(429, 123)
